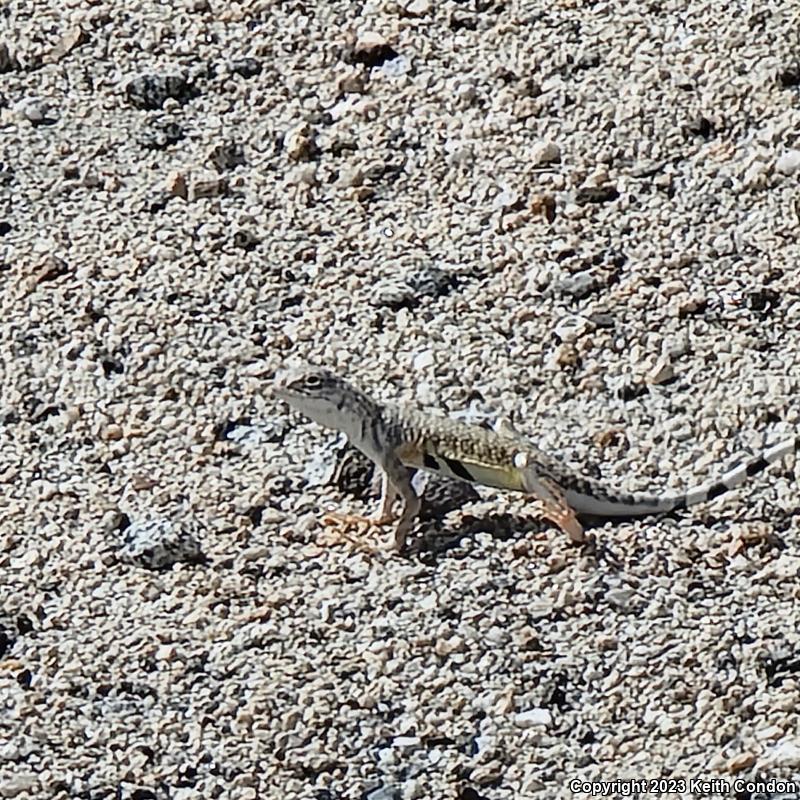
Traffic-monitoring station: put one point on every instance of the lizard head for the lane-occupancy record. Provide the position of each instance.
(314, 392)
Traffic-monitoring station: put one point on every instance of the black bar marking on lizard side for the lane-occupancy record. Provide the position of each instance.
(457, 468)
(430, 462)
(756, 466)
(716, 490)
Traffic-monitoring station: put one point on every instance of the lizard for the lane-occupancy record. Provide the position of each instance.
(402, 439)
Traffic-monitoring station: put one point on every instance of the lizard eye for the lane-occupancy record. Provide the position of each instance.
(313, 382)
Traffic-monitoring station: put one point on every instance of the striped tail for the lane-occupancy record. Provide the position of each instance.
(588, 497)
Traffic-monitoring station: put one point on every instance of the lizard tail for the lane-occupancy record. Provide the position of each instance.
(589, 497)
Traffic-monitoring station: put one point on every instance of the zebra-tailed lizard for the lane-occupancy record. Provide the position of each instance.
(402, 439)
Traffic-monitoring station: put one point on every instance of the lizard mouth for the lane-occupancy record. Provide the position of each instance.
(282, 393)
(279, 387)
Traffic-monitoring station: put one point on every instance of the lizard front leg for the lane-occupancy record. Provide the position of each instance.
(383, 516)
(399, 478)
(395, 481)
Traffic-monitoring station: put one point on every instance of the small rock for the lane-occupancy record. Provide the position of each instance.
(360, 193)
(692, 304)
(111, 433)
(485, 774)
(790, 76)
(543, 205)
(256, 553)
(142, 482)
(607, 643)
(771, 732)
(246, 67)
(741, 761)
(597, 177)
(571, 328)
(371, 49)
(418, 8)
(395, 67)
(370, 40)
(8, 63)
(465, 94)
(165, 652)
(527, 638)
(607, 437)
(534, 718)
(208, 187)
(567, 355)
(409, 289)
(662, 372)
(176, 185)
(24, 783)
(69, 41)
(427, 601)
(382, 793)
(299, 143)
(303, 175)
(158, 544)
(453, 644)
(350, 177)
(51, 269)
(596, 194)
(189, 793)
(227, 156)
(755, 176)
(35, 110)
(90, 179)
(545, 153)
(508, 199)
(161, 135)
(579, 285)
(789, 162)
(620, 598)
(149, 92)
(785, 754)
(671, 288)
(423, 360)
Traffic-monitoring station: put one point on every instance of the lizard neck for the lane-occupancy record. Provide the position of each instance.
(354, 414)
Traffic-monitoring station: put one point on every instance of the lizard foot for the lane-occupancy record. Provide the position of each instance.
(557, 509)
(343, 525)
(563, 516)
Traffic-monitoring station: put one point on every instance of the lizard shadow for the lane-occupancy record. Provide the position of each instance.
(438, 538)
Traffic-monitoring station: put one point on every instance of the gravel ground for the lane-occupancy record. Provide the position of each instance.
(583, 216)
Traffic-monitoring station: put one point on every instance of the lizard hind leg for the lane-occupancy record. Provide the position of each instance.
(550, 502)
(553, 506)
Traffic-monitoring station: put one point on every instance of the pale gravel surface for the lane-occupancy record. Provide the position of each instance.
(139, 333)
